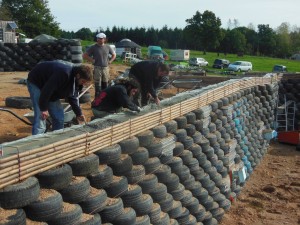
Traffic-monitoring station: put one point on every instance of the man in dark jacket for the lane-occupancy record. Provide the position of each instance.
(112, 99)
(148, 74)
(48, 82)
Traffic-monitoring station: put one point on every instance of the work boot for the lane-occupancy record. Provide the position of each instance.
(104, 85)
(97, 91)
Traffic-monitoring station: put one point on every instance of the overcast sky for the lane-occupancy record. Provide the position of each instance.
(74, 15)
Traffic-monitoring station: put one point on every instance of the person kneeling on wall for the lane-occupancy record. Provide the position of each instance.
(112, 99)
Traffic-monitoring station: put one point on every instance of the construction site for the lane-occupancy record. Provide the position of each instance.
(219, 151)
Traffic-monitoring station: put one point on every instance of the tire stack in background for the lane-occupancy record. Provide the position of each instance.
(289, 90)
(186, 171)
(24, 56)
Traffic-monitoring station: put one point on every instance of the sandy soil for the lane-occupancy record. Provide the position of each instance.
(270, 197)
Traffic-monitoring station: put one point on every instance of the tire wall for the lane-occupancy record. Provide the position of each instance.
(289, 89)
(24, 56)
(185, 171)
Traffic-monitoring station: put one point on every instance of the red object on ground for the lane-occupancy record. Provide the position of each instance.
(290, 137)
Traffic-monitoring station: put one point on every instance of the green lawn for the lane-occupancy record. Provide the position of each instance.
(260, 64)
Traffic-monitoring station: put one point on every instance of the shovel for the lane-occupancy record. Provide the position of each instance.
(82, 93)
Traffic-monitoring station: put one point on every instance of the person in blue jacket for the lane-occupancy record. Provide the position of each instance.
(50, 81)
(114, 98)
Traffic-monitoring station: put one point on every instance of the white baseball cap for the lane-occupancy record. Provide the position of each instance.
(101, 35)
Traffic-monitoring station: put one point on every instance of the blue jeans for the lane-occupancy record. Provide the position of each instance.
(55, 110)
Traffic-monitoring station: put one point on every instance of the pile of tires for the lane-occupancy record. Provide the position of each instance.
(24, 56)
(289, 91)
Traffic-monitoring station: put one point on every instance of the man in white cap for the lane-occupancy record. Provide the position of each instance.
(100, 55)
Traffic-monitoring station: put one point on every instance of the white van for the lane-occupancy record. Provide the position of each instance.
(240, 66)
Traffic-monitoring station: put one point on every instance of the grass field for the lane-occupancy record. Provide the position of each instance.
(260, 64)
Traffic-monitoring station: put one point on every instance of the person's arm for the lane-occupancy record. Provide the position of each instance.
(88, 58)
(113, 57)
(125, 101)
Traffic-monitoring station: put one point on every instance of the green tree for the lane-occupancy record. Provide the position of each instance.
(32, 16)
(295, 40)
(84, 34)
(283, 48)
(204, 30)
(267, 40)
(237, 41)
(5, 13)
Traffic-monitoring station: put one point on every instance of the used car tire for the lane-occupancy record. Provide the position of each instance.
(18, 102)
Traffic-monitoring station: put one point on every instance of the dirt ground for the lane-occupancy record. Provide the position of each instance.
(270, 197)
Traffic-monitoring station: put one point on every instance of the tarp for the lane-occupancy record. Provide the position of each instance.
(43, 38)
(127, 43)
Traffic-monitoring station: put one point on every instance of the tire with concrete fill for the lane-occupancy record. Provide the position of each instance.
(184, 217)
(164, 219)
(128, 216)
(200, 214)
(159, 193)
(149, 183)
(85, 165)
(178, 149)
(155, 213)
(181, 122)
(142, 220)
(188, 142)
(18, 102)
(193, 205)
(48, 205)
(189, 182)
(184, 173)
(172, 182)
(181, 135)
(163, 173)
(76, 191)
(196, 189)
(117, 187)
(151, 165)
(129, 145)
(155, 148)
(132, 195)
(186, 156)
(88, 219)
(112, 210)
(102, 178)
(191, 117)
(70, 214)
(140, 156)
(176, 209)
(178, 194)
(176, 164)
(94, 202)
(167, 203)
(171, 126)
(144, 206)
(110, 154)
(145, 138)
(136, 174)
(122, 166)
(159, 131)
(12, 216)
(20, 194)
(56, 178)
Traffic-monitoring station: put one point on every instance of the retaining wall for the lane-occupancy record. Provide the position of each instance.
(181, 164)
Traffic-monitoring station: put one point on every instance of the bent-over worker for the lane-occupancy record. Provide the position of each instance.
(148, 74)
(50, 81)
(112, 99)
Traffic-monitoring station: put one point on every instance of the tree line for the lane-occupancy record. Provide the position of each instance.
(203, 32)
